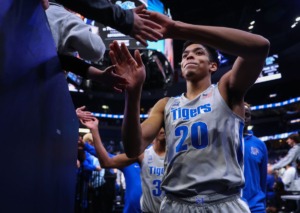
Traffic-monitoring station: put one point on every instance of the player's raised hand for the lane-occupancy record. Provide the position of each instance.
(144, 29)
(82, 114)
(130, 68)
(167, 25)
(91, 124)
(108, 77)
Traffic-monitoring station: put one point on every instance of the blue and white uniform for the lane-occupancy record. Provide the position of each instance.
(152, 170)
(204, 156)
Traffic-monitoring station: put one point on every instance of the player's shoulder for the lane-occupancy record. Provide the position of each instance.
(148, 147)
(160, 104)
(163, 100)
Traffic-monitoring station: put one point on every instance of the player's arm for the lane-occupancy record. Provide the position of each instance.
(117, 161)
(250, 49)
(152, 125)
(136, 137)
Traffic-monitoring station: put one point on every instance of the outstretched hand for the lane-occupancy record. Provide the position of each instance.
(91, 124)
(144, 29)
(132, 69)
(167, 25)
(83, 115)
(110, 79)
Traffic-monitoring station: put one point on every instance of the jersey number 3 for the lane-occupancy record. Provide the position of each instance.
(183, 131)
(157, 191)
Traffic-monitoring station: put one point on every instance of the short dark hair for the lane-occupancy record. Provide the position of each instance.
(294, 137)
(213, 54)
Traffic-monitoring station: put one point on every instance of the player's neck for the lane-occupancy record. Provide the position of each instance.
(195, 88)
(159, 148)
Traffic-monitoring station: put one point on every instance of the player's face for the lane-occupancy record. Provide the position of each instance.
(247, 116)
(195, 61)
(161, 135)
(290, 142)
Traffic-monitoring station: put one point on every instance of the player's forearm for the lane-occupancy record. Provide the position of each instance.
(105, 160)
(131, 127)
(232, 41)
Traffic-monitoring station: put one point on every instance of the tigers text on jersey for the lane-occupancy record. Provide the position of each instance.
(204, 145)
(151, 173)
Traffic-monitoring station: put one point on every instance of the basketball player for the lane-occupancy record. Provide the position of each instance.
(151, 161)
(204, 126)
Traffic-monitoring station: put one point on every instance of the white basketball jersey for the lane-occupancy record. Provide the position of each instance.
(204, 145)
(151, 172)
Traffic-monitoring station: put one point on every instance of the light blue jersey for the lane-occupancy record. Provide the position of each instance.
(204, 146)
(152, 171)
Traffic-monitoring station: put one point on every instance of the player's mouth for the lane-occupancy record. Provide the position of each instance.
(190, 64)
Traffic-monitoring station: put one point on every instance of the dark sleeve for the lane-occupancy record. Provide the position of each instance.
(104, 12)
(73, 64)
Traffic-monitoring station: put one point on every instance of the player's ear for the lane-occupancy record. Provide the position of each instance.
(213, 66)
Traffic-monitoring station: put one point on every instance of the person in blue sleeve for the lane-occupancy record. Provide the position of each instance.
(255, 168)
(133, 191)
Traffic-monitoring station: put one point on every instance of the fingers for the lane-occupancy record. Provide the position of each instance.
(114, 46)
(110, 68)
(119, 79)
(116, 89)
(150, 34)
(80, 108)
(125, 52)
(139, 9)
(140, 39)
(82, 122)
(151, 24)
(119, 87)
(119, 54)
(144, 16)
(112, 57)
(138, 58)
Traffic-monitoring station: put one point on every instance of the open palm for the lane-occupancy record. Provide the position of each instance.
(132, 69)
(91, 124)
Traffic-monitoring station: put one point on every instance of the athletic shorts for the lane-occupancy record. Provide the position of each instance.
(200, 204)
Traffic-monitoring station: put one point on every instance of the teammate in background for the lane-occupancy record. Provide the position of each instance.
(293, 141)
(151, 161)
(204, 126)
(255, 162)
